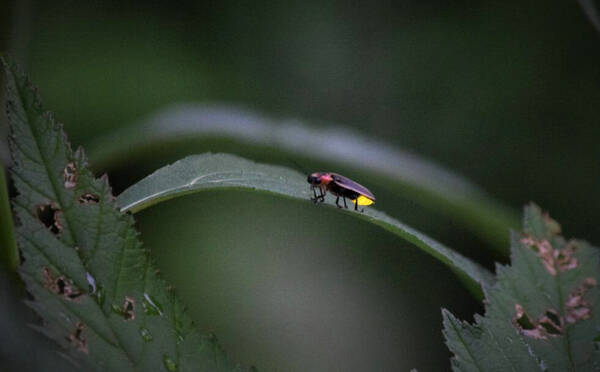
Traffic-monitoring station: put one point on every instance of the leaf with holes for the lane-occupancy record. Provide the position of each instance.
(542, 314)
(91, 280)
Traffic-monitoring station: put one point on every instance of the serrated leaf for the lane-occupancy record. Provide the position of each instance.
(210, 171)
(542, 313)
(426, 183)
(93, 283)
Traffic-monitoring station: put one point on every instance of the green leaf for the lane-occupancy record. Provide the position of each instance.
(91, 280)
(542, 313)
(210, 171)
(231, 130)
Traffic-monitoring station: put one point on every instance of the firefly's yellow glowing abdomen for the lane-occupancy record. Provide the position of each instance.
(362, 200)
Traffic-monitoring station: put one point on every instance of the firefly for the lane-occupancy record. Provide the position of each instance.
(339, 186)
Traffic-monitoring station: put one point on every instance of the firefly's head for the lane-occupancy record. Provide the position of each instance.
(319, 178)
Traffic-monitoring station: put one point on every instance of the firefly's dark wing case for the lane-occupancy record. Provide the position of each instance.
(354, 186)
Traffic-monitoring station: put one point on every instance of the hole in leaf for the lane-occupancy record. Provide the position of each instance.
(48, 215)
(127, 311)
(550, 328)
(70, 175)
(60, 285)
(553, 316)
(89, 198)
(77, 338)
(552, 323)
(523, 319)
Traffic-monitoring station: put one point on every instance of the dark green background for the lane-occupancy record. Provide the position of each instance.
(502, 92)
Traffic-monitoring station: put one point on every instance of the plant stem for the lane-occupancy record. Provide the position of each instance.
(9, 254)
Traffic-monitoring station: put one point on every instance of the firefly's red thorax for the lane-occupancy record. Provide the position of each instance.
(320, 179)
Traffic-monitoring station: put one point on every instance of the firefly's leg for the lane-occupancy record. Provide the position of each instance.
(345, 205)
(356, 205)
(322, 195)
(315, 194)
(336, 202)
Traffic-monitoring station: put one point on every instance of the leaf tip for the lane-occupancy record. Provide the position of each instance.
(538, 223)
(449, 320)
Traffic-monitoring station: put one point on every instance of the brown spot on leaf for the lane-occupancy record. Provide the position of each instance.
(70, 175)
(89, 198)
(530, 241)
(77, 338)
(48, 215)
(576, 306)
(57, 218)
(554, 260)
(128, 308)
(565, 258)
(553, 226)
(60, 285)
(549, 324)
(589, 283)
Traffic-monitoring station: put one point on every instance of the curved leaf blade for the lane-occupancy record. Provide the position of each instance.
(210, 171)
(421, 181)
(93, 283)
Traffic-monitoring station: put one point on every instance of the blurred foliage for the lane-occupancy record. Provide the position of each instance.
(502, 92)
(509, 84)
(592, 10)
